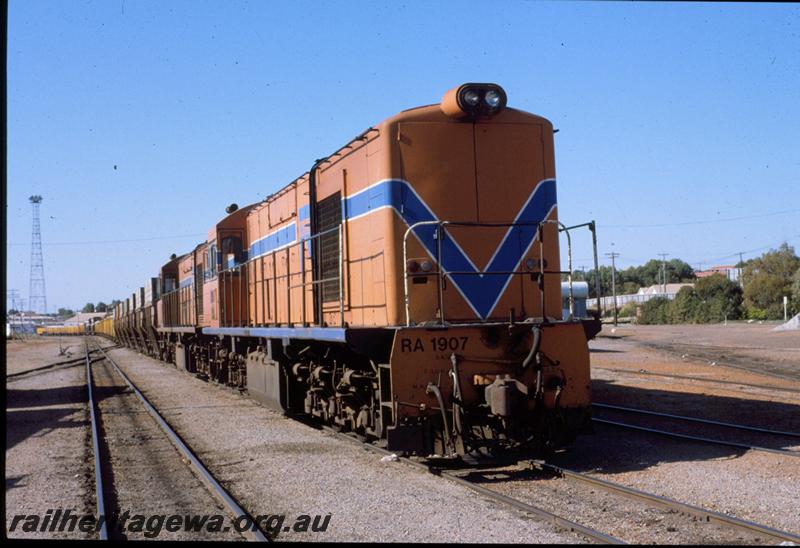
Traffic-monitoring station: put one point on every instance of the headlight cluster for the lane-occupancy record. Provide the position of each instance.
(474, 100)
(481, 99)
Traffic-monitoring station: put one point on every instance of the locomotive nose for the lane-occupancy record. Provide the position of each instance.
(472, 100)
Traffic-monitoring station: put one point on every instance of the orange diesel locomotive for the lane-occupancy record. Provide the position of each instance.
(408, 288)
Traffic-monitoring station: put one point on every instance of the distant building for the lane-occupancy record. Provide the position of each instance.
(642, 296)
(84, 318)
(730, 272)
(658, 290)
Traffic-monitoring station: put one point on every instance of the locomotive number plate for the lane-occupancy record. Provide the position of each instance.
(434, 344)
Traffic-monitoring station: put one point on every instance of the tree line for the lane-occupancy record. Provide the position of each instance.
(89, 308)
(631, 279)
(765, 281)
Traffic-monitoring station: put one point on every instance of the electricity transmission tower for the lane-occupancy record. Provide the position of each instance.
(37, 297)
(12, 296)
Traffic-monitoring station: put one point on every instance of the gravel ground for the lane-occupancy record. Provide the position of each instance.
(758, 486)
(48, 465)
(274, 465)
(754, 347)
(143, 472)
(629, 520)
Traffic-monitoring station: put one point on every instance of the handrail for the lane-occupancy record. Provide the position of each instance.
(302, 243)
(441, 273)
(592, 226)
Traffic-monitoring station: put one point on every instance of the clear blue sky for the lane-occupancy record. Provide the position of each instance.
(668, 113)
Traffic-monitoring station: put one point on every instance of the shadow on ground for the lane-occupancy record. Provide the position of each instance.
(37, 411)
(615, 450)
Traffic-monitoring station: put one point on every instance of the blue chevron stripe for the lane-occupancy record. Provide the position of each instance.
(482, 292)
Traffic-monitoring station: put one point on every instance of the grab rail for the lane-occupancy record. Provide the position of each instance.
(442, 274)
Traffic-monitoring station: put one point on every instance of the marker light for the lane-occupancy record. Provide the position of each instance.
(426, 266)
(412, 266)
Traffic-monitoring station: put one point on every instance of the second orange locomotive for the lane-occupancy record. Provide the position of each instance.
(408, 287)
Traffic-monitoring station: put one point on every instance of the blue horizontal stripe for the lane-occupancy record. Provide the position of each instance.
(280, 238)
(186, 282)
(332, 334)
(481, 292)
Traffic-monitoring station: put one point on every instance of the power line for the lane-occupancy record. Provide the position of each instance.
(740, 253)
(706, 260)
(708, 221)
(92, 242)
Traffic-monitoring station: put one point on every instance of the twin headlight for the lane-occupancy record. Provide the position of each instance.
(474, 100)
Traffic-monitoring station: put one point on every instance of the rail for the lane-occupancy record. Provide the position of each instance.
(519, 505)
(670, 504)
(98, 476)
(697, 420)
(253, 533)
(700, 439)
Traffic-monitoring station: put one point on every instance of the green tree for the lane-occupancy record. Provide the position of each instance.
(101, 307)
(605, 281)
(655, 311)
(767, 279)
(712, 299)
(628, 310)
(88, 308)
(796, 292)
(65, 312)
(684, 308)
(631, 279)
(628, 288)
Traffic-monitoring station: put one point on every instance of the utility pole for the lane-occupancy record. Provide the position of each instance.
(741, 262)
(37, 299)
(663, 271)
(613, 282)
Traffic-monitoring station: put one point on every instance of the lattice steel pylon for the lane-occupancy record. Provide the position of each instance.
(37, 298)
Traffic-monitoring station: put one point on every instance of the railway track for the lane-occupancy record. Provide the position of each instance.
(709, 353)
(73, 362)
(651, 499)
(515, 503)
(122, 431)
(460, 476)
(698, 421)
(699, 379)
(558, 519)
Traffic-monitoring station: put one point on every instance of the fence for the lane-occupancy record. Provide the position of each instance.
(622, 300)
